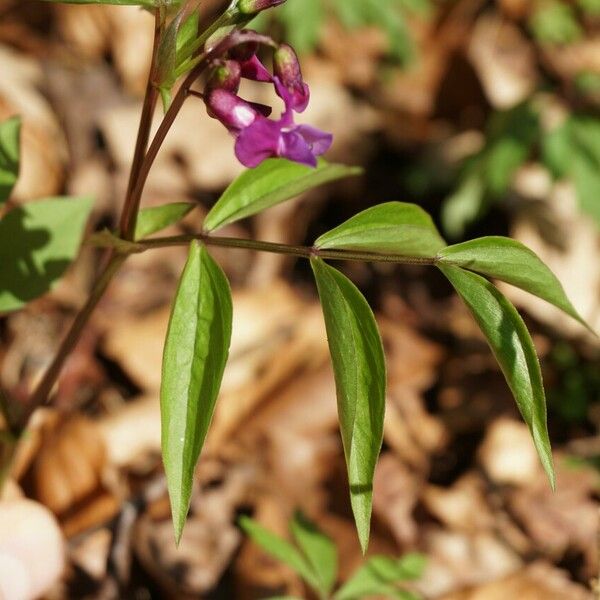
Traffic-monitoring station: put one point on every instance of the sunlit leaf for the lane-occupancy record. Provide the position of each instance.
(10, 145)
(279, 549)
(319, 551)
(380, 576)
(359, 367)
(195, 354)
(155, 218)
(513, 348)
(272, 182)
(512, 262)
(38, 241)
(391, 228)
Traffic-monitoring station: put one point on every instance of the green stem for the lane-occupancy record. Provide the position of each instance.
(299, 251)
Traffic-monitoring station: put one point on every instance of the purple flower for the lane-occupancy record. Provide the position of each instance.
(288, 77)
(259, 137)
(254, 70)
(266, 138)
(236, 114)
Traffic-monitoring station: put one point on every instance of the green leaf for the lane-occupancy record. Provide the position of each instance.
(380, 575)
(274, 181)
(512, 262)
(167, 58)
(359, 368)
(10, 146)
(38, 241)
(153, 219)
(511, 135)
(464, 206)
(303, 21)
(319, 551)
(590, 7)
(586, 176)
(555, 23)
(186, 36)
(513, 348)
(391, 228)
(573, 150)
(195, 354)
(279, 549)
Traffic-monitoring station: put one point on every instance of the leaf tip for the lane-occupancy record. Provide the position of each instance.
(179, 517)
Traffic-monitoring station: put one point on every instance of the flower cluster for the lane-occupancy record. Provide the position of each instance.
(259, 137)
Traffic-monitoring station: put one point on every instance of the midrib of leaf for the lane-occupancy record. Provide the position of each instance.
(350, 319)
(383, 228)
(195, 379)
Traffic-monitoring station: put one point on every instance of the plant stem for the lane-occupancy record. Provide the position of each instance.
(163, 130)
(299, 251)
(142, 162)
(41, 393)
(129, 212)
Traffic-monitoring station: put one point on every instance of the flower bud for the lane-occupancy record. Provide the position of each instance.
(251, 7)
(233, 112)
(225, 76)
(286, 67)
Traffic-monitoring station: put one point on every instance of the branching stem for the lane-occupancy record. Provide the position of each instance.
(299, 251)
(144, 157)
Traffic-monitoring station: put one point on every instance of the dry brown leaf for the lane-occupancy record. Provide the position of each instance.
(132, 432)
(570, 254)
(507, 453)
(44, 153)
(209, 540)
(395, 495)
(504, 60)
(124, 31)
(463, 506)
(457, 560)
(539, 581)
(68, 467)
(32, 553)
(564, 520)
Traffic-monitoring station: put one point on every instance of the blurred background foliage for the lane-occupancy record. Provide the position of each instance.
(515, 131)
(484, 112)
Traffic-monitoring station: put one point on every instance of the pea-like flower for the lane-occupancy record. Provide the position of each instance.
(257, 136)
(265, 138)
